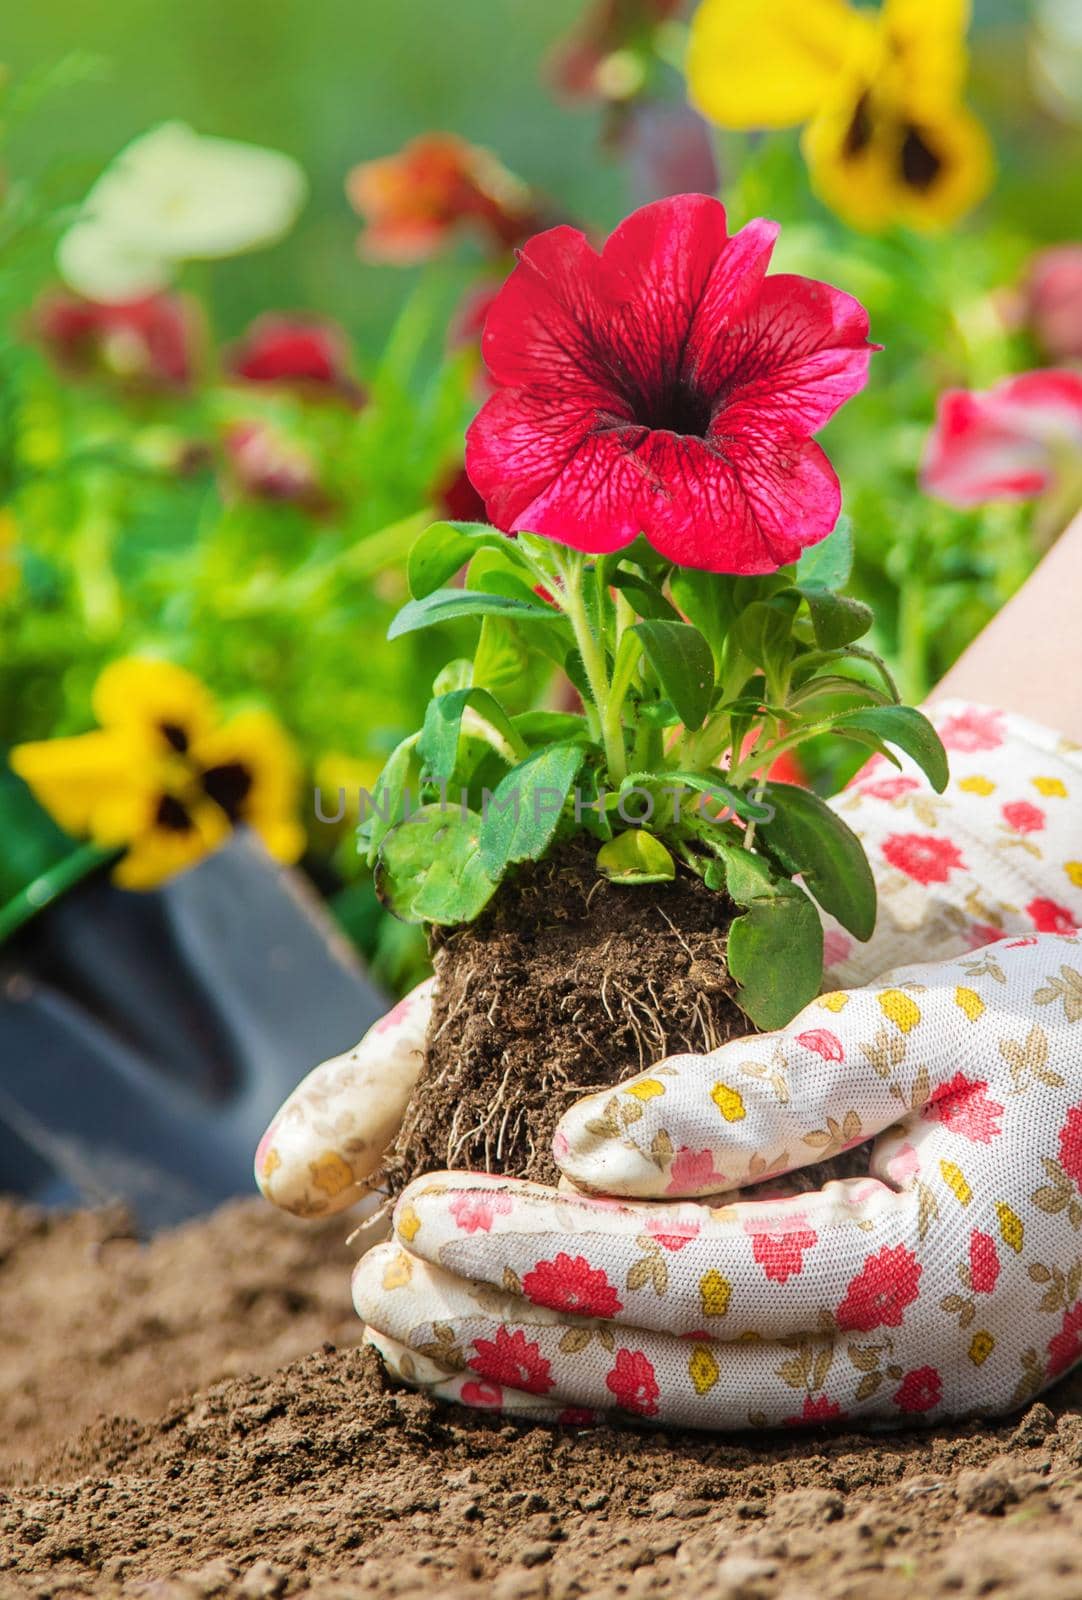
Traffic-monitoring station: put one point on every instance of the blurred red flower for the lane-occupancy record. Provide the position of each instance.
(267, 465)
(299, 352)
(149, 343)
(1010, 442)
(1052, 301)
(666, 386)
(455, 497)
(1048, 916)
(608, 28)
(414, 202)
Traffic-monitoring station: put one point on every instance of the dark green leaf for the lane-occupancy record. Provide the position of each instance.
(684, 665)
(449, 605)
(805, 836)
(829, 563)
(645, 596)
(775, 953)
(438, 745)
(713, 783)
(705, 598)
(445, 547)
(429, 868)
(522, 815)
(763, 631)
(836, 619)
(906, 728)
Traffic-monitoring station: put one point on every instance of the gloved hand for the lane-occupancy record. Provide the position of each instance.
(946, 1282)
(999, 853)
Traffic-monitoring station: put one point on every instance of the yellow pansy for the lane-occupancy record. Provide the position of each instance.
(161, 778)
(887, 137)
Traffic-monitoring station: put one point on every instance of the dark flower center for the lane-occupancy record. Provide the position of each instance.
(858, 135)
(679, 408)
(171, 814)
(228, 786)
(175, 735)
(920, 164)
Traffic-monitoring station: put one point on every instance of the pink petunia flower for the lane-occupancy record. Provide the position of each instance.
(963, 1106)
(922, 856)
(299, 352)
(145, 344)
(474, 1209)
(1006, 443)
(666, 386)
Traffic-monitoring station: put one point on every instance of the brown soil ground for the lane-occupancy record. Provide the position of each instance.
(563, 969)
(294, 1469)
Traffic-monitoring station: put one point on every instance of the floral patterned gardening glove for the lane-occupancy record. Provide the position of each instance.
(947, 1281)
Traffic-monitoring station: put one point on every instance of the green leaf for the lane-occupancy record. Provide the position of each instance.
(705, 599)
(713, 783)
(906, 728)
(645, 596)
(502, 657)
(836, 620)
(438, 745)
(449, 605)
(763, 631)
(684, 665)
(549, 727)
(522, 815)
(636, 857)
(775, 953)
(386, 798)
(445, 547)
(828, 564)
(805, 836)
(430, 868)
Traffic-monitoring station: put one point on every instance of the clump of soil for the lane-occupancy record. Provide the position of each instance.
(567, 984)
(316, 1479)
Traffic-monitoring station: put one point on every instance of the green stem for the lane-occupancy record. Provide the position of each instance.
(609, 708)
(50, 885)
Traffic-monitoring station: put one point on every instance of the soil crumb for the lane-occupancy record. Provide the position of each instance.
(566, 984)
(316, 1478)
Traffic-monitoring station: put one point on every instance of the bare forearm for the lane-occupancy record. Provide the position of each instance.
(1029, 658)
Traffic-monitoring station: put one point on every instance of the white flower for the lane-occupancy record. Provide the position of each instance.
(173, 195)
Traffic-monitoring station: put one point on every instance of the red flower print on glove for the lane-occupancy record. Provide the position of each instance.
(694, 1172)
(633, 1383)
(964, 1107)
(1023, 816)
(919, 1390)
(1048, 917)
(823, 1042)
(472, 1210)
(819, 1409)
(922, 856)
(1065, 1347)
(510, 1358)
(570, 1283)
(878, 1295)
(780, 1250)
(1070, 1145)
(983, 1262)
(973, 729)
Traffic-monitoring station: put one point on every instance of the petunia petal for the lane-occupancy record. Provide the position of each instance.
(1002, 443)
(801, 352)
(732, 288)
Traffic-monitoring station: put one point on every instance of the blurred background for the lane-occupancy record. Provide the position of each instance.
(235, 379)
